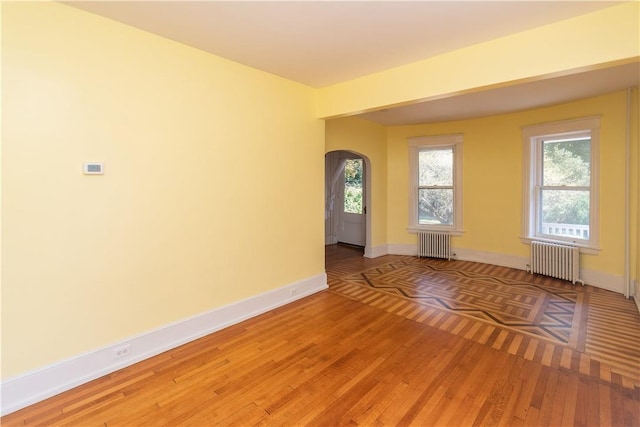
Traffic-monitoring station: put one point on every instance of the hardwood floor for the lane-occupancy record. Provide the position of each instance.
(586, 320)
(377, 350)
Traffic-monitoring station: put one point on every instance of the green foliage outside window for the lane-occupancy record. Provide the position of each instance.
(435, 204)
(566, 164)
(353, 186)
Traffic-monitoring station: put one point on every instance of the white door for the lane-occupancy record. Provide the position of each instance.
(351, 207)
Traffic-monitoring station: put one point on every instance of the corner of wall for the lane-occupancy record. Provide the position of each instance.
(376, 251)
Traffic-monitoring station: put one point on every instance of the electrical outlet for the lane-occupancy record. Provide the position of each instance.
(122, 351)
(293, 292)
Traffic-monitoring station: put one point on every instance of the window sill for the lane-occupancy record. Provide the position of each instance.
(584, 248)
(451, 231)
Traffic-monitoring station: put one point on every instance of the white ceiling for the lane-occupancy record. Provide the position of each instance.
(319, 43)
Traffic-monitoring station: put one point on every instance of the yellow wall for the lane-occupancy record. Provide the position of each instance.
(493, 145)
(588, 41)
(492, 178)
(197, 150)
(370, 140)
(212, 192)
(634, 139)
(491, 166)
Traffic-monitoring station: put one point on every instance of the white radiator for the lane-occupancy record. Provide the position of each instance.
(559, 261)
(434, 245)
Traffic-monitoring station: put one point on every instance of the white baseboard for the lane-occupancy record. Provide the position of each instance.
(402, 249)
(376, 251)
(599, 279)
(503, 260)
(595, 278)
(37, 385)
(636, 293)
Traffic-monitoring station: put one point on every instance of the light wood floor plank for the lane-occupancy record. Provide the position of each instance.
(394, 341)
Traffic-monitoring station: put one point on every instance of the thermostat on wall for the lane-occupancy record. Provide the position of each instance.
(93, 168)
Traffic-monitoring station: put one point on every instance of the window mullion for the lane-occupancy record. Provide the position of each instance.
(435, 187)
(565, 187)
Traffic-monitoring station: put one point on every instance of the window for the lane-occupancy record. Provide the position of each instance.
(435, 201)
(560, 202)
(353, 186)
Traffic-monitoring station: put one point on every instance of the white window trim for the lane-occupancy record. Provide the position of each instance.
(530, 134)
(438, 141)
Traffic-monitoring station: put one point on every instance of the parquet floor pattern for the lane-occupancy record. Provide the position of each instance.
(540, 318)
(541, 310)
(359, 355)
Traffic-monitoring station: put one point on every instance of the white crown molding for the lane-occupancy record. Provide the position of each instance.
(42, 383)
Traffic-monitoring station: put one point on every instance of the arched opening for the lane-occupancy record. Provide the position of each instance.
(348, 199)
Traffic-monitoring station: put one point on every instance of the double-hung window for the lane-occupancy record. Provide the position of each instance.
(435, 201)
(560, 183)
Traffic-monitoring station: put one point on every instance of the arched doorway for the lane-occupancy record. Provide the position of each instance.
(347, 199)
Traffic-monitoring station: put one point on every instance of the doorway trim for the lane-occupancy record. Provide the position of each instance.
(368, 252)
